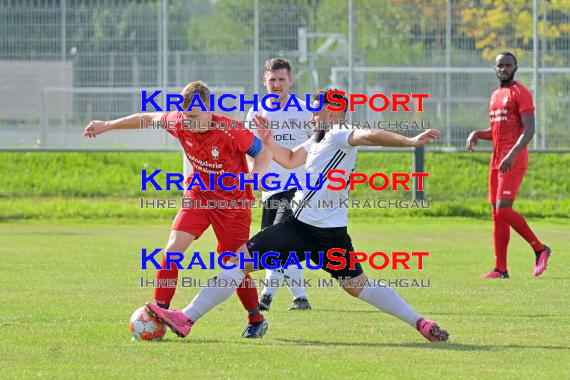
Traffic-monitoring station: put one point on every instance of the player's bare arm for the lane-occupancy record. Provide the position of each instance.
(285, 157)
(261, 161)
(97, 127)
(524, 139)
(475, 136)
(390, 139)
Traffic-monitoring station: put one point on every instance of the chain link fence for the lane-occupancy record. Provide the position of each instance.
(64, 63)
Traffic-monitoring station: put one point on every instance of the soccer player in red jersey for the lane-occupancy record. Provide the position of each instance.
(209, 150)
(512, 127)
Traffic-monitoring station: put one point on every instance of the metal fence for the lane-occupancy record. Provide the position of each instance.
(65, 62)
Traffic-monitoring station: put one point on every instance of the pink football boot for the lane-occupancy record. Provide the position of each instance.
(542, 261)
(175, 319)
(495, 274)
(431, 331)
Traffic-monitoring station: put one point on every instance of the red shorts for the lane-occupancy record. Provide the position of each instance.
(504, 186)
(231, 226)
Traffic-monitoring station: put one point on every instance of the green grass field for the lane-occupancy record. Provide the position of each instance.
(68, 289)
(71, 231)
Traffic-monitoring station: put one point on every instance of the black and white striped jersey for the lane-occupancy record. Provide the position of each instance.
(321, 208)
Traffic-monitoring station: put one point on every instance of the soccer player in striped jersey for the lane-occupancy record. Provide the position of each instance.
(511, 113)
(314, 230)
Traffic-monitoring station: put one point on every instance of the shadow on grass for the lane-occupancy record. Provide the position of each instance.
(448, 346)
(344, 311)
(434, 313)
(495, 314)
(173, 339)
(444, 346)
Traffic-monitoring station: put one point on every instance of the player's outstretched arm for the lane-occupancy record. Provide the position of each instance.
(475, 136)
(97, 127)
(285, 157)
(390, 139)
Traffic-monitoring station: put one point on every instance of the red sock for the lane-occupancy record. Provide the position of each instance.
(501, 237)
(520, 225)
(163, 294)
(248, 297)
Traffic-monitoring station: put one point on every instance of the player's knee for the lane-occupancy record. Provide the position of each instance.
(233, 260)
(353, 291)
(247, 265)
(354, 285)
(250, 264)
(179, 241)
(174, 247)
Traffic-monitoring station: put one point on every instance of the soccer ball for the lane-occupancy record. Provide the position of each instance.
(145, 327)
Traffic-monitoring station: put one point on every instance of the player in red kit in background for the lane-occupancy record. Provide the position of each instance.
(511, 114)
(209, 150)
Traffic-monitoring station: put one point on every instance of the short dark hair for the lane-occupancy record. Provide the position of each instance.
(508, 53)
(277, 64)
(325, 93)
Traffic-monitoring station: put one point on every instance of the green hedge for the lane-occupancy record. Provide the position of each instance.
(39, 184)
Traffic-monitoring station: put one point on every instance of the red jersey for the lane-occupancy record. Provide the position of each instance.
(215, 151)
(507, 106)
